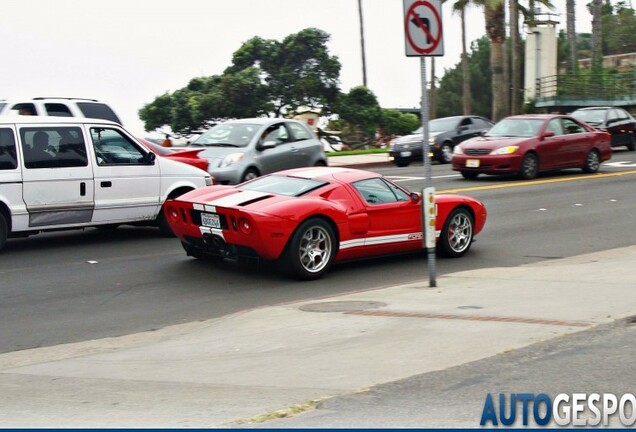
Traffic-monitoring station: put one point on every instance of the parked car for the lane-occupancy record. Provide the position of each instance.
(187, 156)
(443, 135)
(308, 218)
(67, 173)
(619, 123)
(528, 144)
(240, 150)
(60, 107)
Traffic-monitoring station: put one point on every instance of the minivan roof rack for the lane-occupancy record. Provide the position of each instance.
(66, 98)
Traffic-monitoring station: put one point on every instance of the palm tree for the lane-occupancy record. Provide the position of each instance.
(515, 103)
(460, 6)
(570, 18)
(495, 14)
(595, 8)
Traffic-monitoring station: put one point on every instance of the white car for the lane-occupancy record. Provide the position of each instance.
(58, 173)
(59, 107)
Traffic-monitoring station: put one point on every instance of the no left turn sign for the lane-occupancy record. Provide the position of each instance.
(423, 28)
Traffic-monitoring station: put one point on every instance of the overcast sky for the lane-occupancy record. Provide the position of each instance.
(127, 52)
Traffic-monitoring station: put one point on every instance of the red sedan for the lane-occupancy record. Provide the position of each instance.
(187, 156)
(308, 218)
(528, 144)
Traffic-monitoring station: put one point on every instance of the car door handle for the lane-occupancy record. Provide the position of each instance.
(106, 184)
(82, 189)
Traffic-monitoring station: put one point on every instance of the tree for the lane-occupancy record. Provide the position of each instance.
(595, 8)
(360, 110)
(394, 122)
(515, 48)
(494, 12)
(460, 6)
(570, 15)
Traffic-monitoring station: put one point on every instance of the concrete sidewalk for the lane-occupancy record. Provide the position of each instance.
(220, 372)
(362, 161)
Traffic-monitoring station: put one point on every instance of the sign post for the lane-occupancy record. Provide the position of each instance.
(424, 37)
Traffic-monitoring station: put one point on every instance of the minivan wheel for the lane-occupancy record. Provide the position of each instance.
(250, 174)
(4, 231)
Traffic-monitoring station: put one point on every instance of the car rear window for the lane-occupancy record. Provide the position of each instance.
(98, 111)
(283, 185)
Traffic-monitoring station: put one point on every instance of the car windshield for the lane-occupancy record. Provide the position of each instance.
(519, 127)
(227, 135)
(283, 185)
(591, 116)
(440, 125)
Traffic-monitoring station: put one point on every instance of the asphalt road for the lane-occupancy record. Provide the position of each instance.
(81, 285)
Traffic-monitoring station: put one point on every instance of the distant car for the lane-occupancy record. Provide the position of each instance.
(310, 217)
(240, 150)
(619, 123)
(528, 144)
(443, 135)
(60, 107)
(187, 156)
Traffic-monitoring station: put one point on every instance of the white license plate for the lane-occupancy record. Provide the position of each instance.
(210, 220)
(405, 153)
(472, 163)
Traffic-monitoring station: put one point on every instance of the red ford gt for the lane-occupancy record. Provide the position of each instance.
(308, 218)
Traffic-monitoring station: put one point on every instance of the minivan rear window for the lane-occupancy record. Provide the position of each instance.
(8, 158)
(98, 111)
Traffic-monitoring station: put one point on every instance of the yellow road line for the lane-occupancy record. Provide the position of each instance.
(535, 182)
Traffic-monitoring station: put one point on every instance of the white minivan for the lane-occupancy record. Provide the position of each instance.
(64, 173)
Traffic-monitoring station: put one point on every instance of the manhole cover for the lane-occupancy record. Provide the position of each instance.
(341, 306)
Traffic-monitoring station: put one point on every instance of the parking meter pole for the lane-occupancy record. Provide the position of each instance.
(428, 181)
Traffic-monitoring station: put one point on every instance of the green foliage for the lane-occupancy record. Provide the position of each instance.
(394, 122)
(267, 77)
(619, 29)
(449, 93)
(359, 109)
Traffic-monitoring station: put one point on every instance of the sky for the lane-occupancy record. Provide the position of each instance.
(127, 52)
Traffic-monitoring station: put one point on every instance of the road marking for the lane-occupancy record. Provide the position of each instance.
(398, 179)
(535, 182)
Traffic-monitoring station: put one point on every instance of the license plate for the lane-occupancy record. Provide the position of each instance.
(472, 163)
(211, 220)
(405, 153)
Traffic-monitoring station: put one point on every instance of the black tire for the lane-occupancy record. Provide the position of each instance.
(529, 166)
(310, 251)
(446, 153)
(469, 175)
(402, 163)
(592, 162)
(457, 233)
(4, 231)
(631, 144)
(249, 174)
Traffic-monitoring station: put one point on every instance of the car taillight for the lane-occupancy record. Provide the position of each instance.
(173, 214)
(245, 226)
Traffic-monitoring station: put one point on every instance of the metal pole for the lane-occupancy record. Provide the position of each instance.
(428, 181)
(364, 60)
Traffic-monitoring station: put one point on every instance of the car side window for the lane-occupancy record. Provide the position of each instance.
(114, 148)
(571, 127)
(377, 191)
(299, 132)
(466, 123)
(277, 133)
(53, 147)
(555, 127)
(57, 110)
(8, 157)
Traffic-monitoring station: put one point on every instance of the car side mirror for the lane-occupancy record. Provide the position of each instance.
(547, 134)
(610, 121)
(264, 145)
(415, 197)
(150, 158)
(484, 132)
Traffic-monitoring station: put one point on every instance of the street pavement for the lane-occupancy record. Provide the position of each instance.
(258, 365)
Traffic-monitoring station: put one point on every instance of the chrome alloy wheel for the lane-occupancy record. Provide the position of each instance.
(460, 232)
(315, 249)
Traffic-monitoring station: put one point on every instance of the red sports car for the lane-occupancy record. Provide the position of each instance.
(528, 144)
(187, 156)
(307, 218)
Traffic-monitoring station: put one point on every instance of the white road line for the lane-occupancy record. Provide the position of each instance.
(398, 179)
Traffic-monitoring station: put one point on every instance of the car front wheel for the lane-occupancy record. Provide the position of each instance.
(457, 233)
(529, 166)
(311, 250)
(4, 231)
(446, 153)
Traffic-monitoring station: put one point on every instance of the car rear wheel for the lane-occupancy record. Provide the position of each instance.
(311, 250)
(4, 231)
(457, 234)
(446, 153)
(631, 144)
(469, 175)
(592, 162)
(250, 174)
(529, 166)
